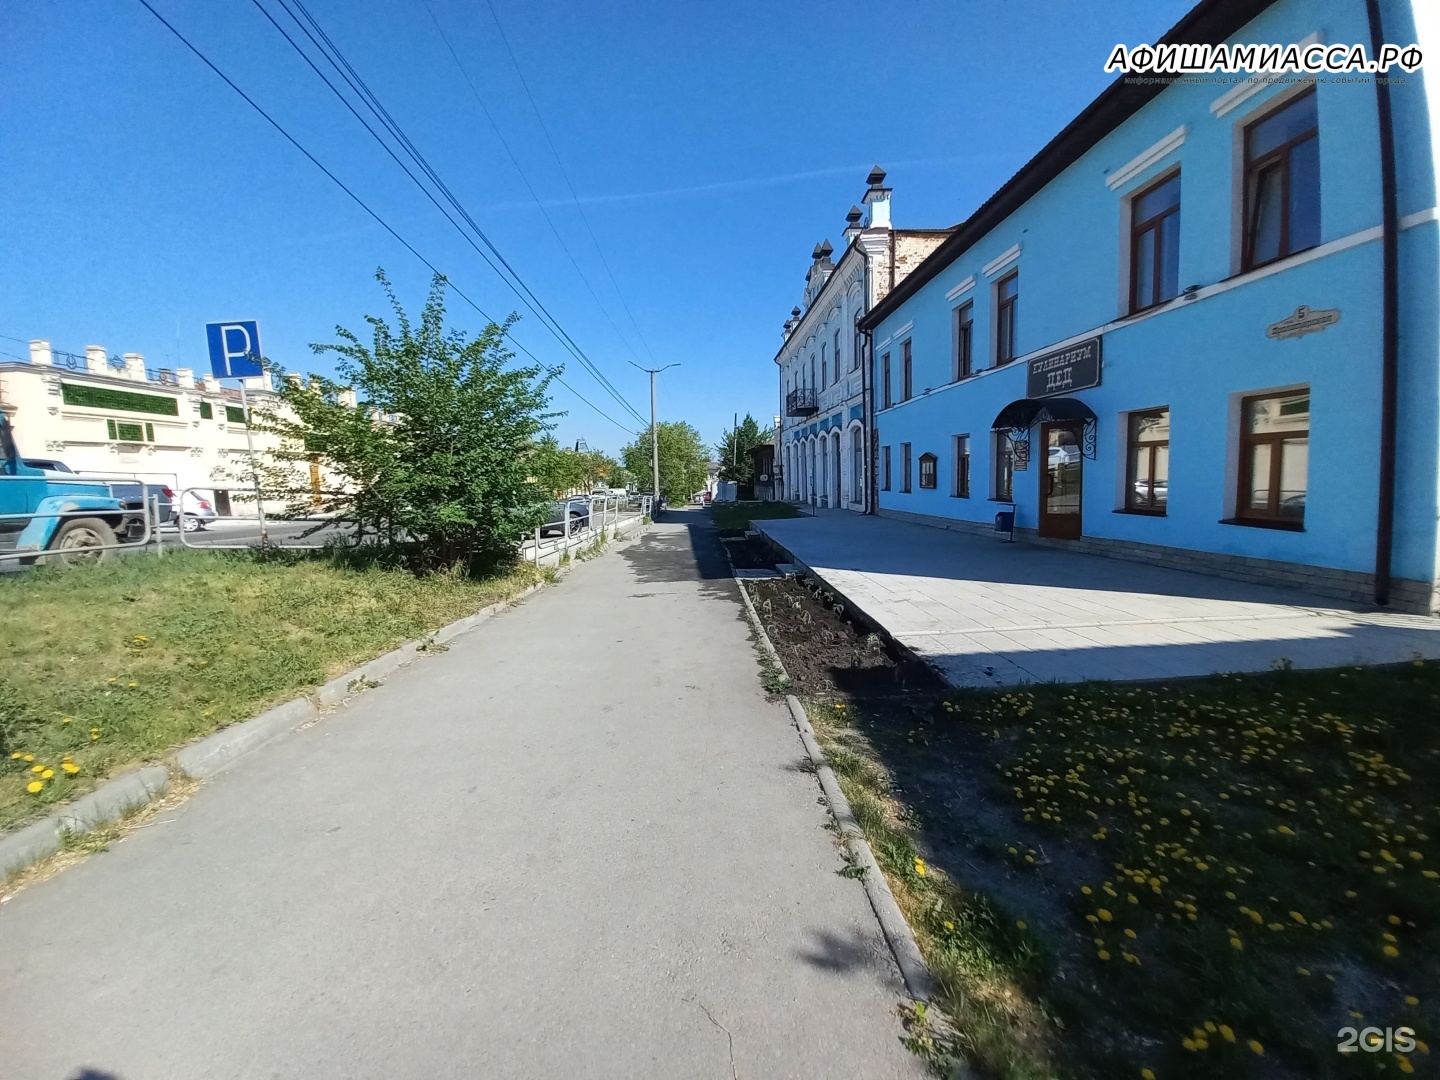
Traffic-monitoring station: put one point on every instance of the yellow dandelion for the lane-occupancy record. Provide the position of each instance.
(70, 767)
(1021, 924)
(1391, 951)
(47, 774)
(1255, 1045)
(35, 787)
(1227, 1033)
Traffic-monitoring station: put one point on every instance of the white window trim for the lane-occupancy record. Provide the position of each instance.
(1146, 158)
(1232, 99)
(960, 290)
(1000, 262)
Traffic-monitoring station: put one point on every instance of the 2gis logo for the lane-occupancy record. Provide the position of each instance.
(1373, 1040)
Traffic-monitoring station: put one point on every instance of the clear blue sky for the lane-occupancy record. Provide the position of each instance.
(712, 146)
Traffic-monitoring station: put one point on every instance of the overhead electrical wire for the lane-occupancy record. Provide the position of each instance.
(573, 197)
(553, 372)
(534, 196)
(357, 84)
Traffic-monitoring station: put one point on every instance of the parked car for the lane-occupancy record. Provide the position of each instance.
(134, 494)
(575, 511)
(48, 464)
(42, 511)
(195, 512)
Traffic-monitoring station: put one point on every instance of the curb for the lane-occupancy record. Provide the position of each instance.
(203, 759)
(898, 934)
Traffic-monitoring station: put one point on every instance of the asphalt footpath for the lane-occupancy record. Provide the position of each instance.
(579, 843)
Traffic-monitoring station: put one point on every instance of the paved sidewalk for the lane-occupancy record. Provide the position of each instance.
(580, 843)
(987, 613)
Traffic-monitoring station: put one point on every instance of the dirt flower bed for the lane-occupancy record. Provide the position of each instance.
(1210, 878)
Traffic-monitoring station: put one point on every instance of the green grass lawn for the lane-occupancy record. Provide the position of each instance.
(1205, 879)
(111, 664)
(739, 515)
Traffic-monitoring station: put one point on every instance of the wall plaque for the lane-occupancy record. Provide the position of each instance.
(1305, 321)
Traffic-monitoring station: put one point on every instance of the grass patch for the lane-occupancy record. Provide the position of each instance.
(1238, 867)
(986, 967)
(731, 516)
(107, 665)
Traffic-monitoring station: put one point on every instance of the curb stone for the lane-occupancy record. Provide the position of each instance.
(204, 758)
(898, 935)
(913, 970)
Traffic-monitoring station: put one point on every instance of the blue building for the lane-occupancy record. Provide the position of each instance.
(1199, 327)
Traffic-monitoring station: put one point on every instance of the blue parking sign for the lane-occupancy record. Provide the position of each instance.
(234, 348)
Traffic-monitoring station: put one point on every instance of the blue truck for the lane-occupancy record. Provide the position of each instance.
(84, 519)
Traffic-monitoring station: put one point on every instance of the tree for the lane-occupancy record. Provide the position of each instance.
(683, 459)
(434, 452)
(556, 469)
(733, 450)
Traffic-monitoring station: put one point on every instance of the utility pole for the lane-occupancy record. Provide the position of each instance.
(654, 432)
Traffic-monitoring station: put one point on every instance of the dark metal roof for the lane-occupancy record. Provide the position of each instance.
(1209, 22)
(1027, 412)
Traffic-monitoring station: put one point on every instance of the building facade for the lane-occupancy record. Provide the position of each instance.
(823, 444)
(1172, 335)
(113, 418)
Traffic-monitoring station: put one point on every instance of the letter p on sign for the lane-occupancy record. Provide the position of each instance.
(234, 348)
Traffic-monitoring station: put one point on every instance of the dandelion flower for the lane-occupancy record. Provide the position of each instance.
(1391, 951)
(70, 767)
(1227, 1033)
(47, 774)
(35, 787)
(28, 757)
(1021, 924)
(1255, 1045)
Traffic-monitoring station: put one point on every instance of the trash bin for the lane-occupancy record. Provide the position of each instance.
(1005, 522)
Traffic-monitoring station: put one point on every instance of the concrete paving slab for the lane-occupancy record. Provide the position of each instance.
(986, 611)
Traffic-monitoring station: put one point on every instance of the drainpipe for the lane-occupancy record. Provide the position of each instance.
(1390, 333)
(867, 400)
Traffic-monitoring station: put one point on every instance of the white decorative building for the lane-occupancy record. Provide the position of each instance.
(824, 443)
(110, 417)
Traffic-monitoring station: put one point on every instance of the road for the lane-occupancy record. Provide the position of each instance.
(580, 843)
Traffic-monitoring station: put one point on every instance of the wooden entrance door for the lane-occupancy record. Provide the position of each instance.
(1061, 476)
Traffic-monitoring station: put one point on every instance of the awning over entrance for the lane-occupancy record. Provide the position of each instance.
(1020, 416)
(1027, 412)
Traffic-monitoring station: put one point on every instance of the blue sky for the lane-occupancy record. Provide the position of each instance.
(711, 146)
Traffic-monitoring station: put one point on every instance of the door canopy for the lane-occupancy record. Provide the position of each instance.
(1021, 415)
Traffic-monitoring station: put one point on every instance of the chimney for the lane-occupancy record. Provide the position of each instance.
(347, 398)
(40, 353)
(185, 377)
(877, 198)
(852, 223)
(95, 359)
(135, 366)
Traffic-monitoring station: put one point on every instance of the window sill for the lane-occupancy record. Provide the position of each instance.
(1005, 502)
(1253, 523)
(958, 495)
(1140, 513)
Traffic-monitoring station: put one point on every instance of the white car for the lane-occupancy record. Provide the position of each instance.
(194, 512)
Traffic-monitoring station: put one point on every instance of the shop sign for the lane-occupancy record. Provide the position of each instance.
(1075, 367)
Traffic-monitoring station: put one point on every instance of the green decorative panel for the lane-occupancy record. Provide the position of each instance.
(102, 397)
(129, 432)
(234, 414)
(110, 429)
(206, 412)
(149, 432)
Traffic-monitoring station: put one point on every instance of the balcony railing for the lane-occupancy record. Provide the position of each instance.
(801, 402)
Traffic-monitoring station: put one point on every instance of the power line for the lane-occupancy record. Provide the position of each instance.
(553, 372)
(573, 197)
(357, 84)
(539, 205)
